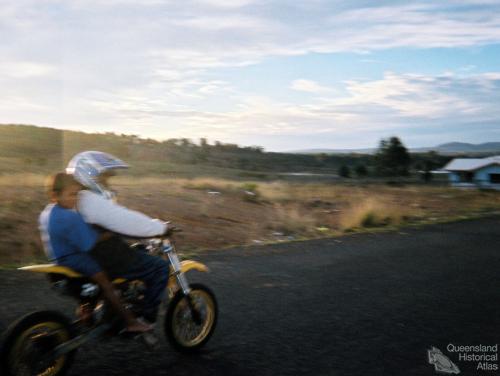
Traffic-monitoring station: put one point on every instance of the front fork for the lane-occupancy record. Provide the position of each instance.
(169, 250)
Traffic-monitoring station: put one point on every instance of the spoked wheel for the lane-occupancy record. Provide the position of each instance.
(191, 320)
(28, 341)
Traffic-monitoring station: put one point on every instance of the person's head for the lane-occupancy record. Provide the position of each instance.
(103, 179)
(92, 169)
(63, 190)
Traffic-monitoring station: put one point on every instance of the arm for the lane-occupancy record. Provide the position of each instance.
(97, 210)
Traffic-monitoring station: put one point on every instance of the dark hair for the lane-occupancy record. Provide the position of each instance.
(59, 182)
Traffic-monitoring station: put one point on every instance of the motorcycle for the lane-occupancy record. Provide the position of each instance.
(45, 342)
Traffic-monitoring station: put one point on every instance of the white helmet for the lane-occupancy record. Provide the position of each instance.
(88, 165)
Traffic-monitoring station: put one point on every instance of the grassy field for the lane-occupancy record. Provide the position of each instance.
(217, 213)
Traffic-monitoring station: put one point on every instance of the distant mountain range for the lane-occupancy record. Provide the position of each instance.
(448, 148)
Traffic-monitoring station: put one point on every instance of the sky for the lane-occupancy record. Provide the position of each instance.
(285, 75)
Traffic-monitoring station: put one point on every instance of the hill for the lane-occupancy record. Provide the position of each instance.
(35, 149)
(461, 147)
(450, 148)
(334, 151)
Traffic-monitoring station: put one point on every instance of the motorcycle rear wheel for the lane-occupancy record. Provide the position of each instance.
(29, 339)
(181, 329)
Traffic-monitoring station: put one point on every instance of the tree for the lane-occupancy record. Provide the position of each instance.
(361, 170)
(344, 171)
(392, 158)
(430, 163)
(321, 158)
(427, 174)
(243, 163)
(203, 150)
(186, 143)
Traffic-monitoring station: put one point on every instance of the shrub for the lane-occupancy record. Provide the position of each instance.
(250, 187)
(374, 213)
(361, 171)
(369, 220)
(344, 171)
(292, 221)
(250, 192)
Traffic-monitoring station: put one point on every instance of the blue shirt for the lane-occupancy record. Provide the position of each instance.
(65, 233)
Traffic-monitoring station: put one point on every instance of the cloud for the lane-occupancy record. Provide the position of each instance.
(259, 35)
(396, 104)
(421, 25)
(162, 63)
(445, 106)
(308, 86)
(25, 69)
(428, 97)
(221, 22)
(215, 33)
(229, 4)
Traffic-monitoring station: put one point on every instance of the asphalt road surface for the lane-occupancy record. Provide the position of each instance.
(365, 304)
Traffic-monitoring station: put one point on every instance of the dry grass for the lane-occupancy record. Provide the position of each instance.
(24, 180)
(208, 184)
(372, 212)
(234, 217)
(292, 220)
(287, 192)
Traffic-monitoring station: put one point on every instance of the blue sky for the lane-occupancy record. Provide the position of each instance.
(285, 75)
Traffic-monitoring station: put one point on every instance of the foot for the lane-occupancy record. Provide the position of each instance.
(139, 327)
(151, 339)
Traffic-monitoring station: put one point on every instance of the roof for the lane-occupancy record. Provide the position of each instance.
(471, 164)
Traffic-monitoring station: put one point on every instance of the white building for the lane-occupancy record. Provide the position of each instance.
(475, 172)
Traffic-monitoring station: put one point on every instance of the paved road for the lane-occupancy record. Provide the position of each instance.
(366, 304)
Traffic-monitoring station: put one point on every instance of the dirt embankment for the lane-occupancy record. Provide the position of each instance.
(221, 213)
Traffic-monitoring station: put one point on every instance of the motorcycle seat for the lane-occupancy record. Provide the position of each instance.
(65, 272)
(60, 270)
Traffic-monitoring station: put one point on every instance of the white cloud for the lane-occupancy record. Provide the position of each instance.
(25, 69)
(229, 3)
(396, 103)
(13, 104)
(221, 23)
(418, 96)
(308, 86)
(154, 62)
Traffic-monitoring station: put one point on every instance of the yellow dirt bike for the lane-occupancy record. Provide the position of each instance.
(45, 342)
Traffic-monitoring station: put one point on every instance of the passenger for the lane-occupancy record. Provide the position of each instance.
(68, 239)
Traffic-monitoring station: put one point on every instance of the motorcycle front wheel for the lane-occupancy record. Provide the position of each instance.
(28, 341)
(191, 320)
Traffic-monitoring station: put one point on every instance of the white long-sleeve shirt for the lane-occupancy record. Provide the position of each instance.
(98, 210)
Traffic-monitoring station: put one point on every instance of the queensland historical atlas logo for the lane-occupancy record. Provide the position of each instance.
(441, 362)
(484, 358)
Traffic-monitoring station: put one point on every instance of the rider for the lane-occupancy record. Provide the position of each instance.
(98, 206)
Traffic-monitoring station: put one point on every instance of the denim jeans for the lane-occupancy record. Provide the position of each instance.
(115, 256)
(153, 271)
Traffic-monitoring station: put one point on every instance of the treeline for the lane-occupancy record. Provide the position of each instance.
(45, 149)
(51, 147)
(392, 159)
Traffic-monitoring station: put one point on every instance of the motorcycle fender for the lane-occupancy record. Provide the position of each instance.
(186, 266)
